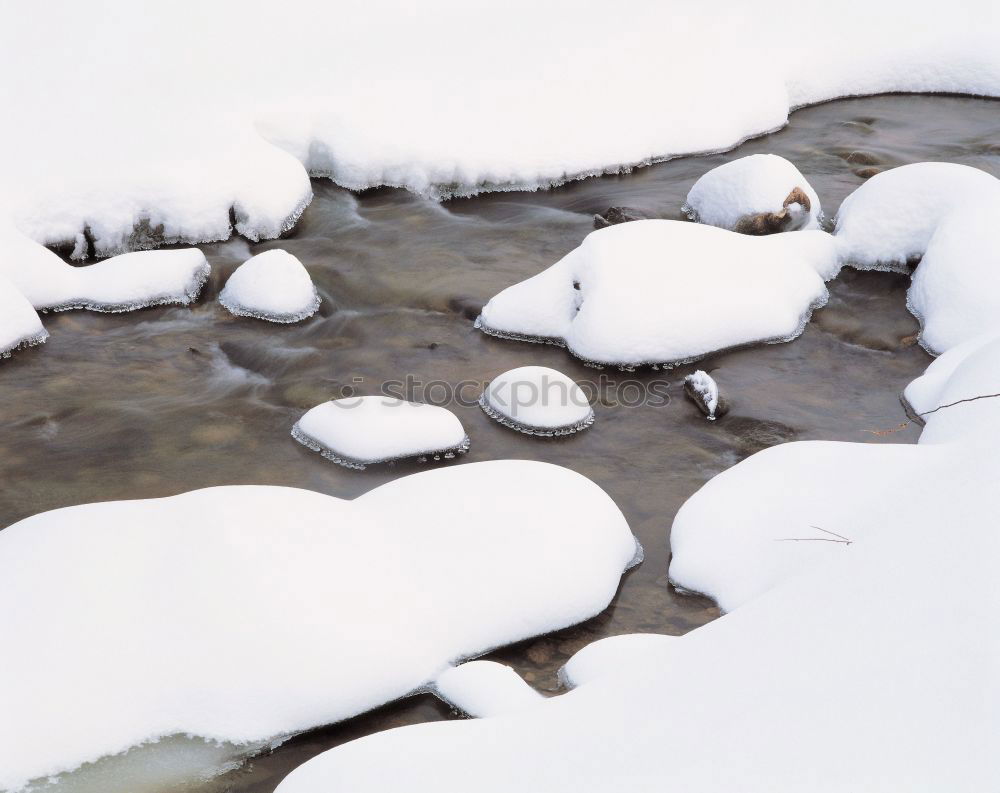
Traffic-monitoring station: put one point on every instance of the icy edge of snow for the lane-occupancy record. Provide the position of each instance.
(309, 442)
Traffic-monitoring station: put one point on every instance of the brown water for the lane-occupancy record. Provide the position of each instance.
(167, 400)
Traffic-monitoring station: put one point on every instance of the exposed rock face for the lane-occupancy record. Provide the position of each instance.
(615, 215)
(794, 214)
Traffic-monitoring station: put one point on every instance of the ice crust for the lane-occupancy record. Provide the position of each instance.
(360, 431)
(821, 676)
(245, 614)
(272, 286)
(668, 292)
(200, 153)
(537, 400)
(749, 186)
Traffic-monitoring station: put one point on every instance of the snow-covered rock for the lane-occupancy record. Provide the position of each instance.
(19, 322)
(888, 222)
(702, 389)
(956, 288)
(758, 194)
(272, 285)
(485, 688)
(957, 397)
(823, 676)
(360, 431)
(665, 292)
(609, 655)
(245, 614)
(537, 400)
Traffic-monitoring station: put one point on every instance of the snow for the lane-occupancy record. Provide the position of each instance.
(957, 396)
(359, 431)
(956, 288)
(733, 195)
(862, 664)
(273, 286)
(19, 324)
(888, 222)
(666, 292)
(705, 392)
(537, 400)
(118, 135)
(485, 688)
(611, 654)
(245, 614)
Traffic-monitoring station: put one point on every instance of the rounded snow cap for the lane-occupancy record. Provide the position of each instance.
(759, 194)
(538, 401)
(359, 431)
(273, 286)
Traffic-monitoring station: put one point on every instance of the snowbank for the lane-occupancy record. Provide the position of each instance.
(537, 400)
(485, 688)
(360, 431)
(956, 288)
(824, 675)
(19, 323)
(759, 194)
(612, 654)
(956, 397)
(888, 222)
(665, 292)
(120, 144)
(244, 613)
(273, 286)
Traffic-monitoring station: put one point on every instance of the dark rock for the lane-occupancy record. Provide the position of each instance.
(615, 215)
(773, 222)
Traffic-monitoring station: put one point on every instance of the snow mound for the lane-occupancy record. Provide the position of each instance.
(822, 676)
(956, 289)
(537, 400)
(359, 431)
(273, 286)
(485, 688)
(304, 609)
(19, 322)
(667, 292)
(888, 222)
(759, 194)
(612, 655)
(958, 397)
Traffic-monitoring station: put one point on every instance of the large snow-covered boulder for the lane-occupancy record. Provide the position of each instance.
(245, 614)
(822, 677)
(888, 222)
(758, 194)
(537, 400)
(665, 291)
(272, 285)
(956, 288)
(359, 431)
(19, 322)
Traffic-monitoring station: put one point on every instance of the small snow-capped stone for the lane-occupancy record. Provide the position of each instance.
(759, 194)
(485, 688)
(273, 286)
(359, 431)
(537, 400)
(19, 322)
(702, 389)
(888, 222)
(610, 655)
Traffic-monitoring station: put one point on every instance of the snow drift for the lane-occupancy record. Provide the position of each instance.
(242, 614)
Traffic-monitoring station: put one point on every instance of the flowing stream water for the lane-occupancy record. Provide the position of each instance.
(167, 399)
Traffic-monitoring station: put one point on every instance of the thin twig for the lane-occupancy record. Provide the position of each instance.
(842, 539)
(827, 531)
(959, 402)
